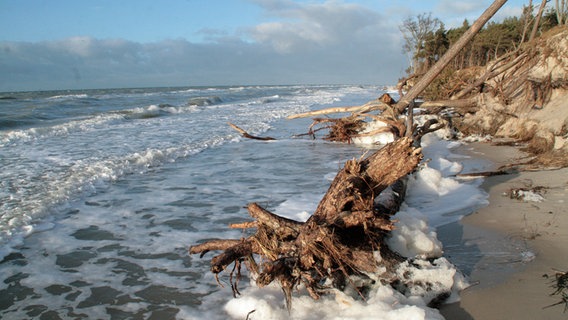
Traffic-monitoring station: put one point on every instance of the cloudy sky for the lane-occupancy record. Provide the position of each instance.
(70, 44)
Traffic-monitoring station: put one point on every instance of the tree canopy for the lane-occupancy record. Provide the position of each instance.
(426, 39)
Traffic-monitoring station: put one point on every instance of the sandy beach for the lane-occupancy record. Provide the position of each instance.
(520, 244)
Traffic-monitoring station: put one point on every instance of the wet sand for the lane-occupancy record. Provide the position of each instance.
(513, 245)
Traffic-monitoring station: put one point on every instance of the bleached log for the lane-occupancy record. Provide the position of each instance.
(368, 107)
(462, 103)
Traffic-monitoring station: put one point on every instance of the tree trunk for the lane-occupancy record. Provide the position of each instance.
(368, 107)
(459, 104)
(537, 21)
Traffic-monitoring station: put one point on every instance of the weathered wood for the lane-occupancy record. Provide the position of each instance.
(484, 174)
(220, 262)
(394, 125)
(491, 73)
(211, 245)
(337, 241)
(390, 200)
(461, 104)
(537, 21)
(376, 131)
(386, 98)
(247, 135)
(339, 129)
(244, 225)
(429, 126)
(368, 107)
(282, 226)
(359, 182)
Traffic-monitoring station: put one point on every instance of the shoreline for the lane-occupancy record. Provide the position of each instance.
(513, 244)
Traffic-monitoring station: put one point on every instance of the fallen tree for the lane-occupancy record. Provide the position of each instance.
(384, 102)
(347, 128)
(337, 241)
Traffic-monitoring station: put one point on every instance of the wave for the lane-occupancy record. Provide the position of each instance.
(299, 97)
(32, 134)
(69, 96)
(69, 179)
(270, 99)
(204, 101)
(21, 212)
(87, 124)
(6, 123)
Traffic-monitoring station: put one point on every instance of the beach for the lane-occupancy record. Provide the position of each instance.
(505, 285)
(104, 191)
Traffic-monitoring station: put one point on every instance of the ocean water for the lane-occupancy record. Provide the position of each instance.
(103, 191)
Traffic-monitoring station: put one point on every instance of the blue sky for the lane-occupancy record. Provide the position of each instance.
(65, 44)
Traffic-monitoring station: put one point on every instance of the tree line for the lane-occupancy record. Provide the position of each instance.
(426, 39)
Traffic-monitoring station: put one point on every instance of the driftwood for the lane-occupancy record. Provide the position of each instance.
(461, 106)
(374, 105)
(347, 128)
(396, 126)
(485, 174)
(247, 135)
(383, 103)
(339, 130)
(352, 126)
(560, 286)
(340, 239)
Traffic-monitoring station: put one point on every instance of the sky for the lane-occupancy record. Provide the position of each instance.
(79, 44)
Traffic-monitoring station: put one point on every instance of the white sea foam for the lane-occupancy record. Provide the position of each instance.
(383, 303)
(69, 96)
(27, 135)
(527, 195)
(86, 162)
(381, 138)
(81, 178)
(435, 191)
(431, 197)
(413, 236)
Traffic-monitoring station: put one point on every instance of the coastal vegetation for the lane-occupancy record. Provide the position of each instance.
(509, 81)
(426, 39)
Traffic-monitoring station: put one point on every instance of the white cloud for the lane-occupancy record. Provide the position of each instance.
(80, 46)
(330, 42)
(309, 25)
(508, 11)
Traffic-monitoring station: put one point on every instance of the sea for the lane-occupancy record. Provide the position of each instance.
(102, 192)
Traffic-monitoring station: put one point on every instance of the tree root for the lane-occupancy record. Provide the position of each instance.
(340, 239)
